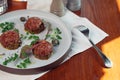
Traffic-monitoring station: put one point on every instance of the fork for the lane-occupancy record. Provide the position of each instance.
(85, 31)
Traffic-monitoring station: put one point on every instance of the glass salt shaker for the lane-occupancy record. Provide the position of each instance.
(3, 6)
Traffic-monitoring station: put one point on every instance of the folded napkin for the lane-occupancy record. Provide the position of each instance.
(79, 43)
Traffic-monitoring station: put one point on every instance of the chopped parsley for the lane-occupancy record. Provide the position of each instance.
(10, 59)
(55, 36)
(6, 26)
(24, 63)
(23, 37)
(30, 36)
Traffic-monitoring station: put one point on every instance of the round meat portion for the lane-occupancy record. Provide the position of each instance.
(43, 49)
(10, 40)
(34, 25)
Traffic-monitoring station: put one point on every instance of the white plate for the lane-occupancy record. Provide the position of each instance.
(61, 50)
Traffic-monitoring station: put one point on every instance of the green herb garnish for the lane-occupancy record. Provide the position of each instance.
(24, 63)
(16, 30)
(30, 36)
(6, 26)
(55, 36)
(33, 38)
(10, 59)
(24, 54)
(33, 42)
(27, 33)
(23, 36)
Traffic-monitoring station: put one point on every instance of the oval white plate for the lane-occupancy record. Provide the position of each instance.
(61, 50)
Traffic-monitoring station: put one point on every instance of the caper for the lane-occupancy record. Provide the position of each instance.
(23, 19)
(55, 42)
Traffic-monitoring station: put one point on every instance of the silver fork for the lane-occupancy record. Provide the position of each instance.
(85, 31)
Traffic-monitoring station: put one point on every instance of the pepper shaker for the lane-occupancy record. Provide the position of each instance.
(57, 7)
(74, 5)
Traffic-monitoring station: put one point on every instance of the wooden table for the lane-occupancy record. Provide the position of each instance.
(87, 66)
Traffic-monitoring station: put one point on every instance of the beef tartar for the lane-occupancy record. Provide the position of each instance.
(43, 49)
(10, 40)
(34, 25)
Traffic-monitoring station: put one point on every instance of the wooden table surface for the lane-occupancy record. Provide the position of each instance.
(87, 65)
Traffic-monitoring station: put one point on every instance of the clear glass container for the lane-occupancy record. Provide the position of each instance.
(3, 6)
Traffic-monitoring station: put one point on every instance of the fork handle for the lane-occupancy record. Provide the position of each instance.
(107, 62)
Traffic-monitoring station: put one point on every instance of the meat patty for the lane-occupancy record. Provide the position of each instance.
(10, 40)
(34, 25)
(43, 49)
